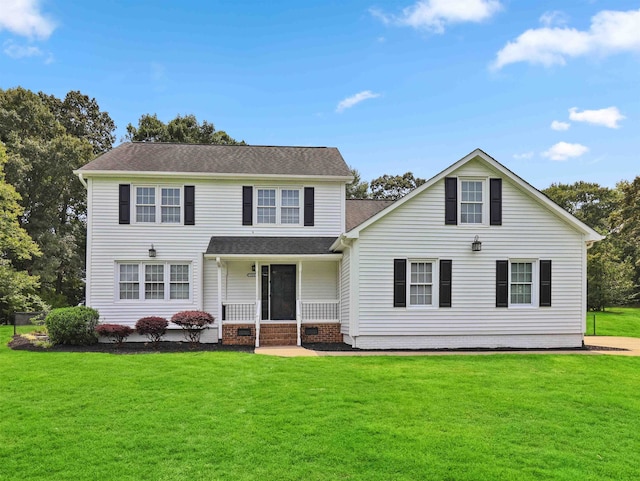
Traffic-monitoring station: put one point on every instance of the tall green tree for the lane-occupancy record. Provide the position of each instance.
(357, 189)
(42, 156)
(610, 265)
(392, 187)
(182, 129)
(17, 288)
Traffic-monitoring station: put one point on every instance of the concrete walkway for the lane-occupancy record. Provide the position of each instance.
(630, 344)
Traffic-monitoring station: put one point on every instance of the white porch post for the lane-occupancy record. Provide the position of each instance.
(219, 264)
(299, 305)
(257, 304)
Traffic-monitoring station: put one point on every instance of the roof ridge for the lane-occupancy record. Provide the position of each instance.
(142, 142)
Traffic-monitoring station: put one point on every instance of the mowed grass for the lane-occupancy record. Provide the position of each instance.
(615, 321)
(238, 416)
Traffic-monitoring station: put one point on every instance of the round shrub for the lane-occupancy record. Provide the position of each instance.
(192, 323)
(153, 327)
(116, 332)
(72, 325)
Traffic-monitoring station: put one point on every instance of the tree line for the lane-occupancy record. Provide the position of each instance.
(43, 206)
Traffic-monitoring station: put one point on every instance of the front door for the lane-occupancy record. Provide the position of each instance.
(283, 292)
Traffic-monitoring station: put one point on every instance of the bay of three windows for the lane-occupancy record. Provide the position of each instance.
(153, 281)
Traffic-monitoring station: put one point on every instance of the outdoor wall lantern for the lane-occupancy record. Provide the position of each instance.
(152, 251)
(476, 245)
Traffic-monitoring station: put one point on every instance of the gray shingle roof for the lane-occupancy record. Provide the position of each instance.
(359, 210)
(270, 245)
(221, 159)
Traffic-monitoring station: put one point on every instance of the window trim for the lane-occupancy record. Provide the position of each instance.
(534, 283)
(279, 206)
(142, 280)
(435, 283)
(157, 204)
(485, 201)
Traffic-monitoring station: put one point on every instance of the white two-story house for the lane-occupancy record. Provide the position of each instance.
(264, 240)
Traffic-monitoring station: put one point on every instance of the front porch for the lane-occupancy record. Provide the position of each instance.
(274, 291)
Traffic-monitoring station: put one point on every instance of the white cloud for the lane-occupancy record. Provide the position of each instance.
(560, 126)
(610, 32)
(14, 50)
(434, 15)
(523, 156)
(564, 150)
(608, 117)
(555, 17)
(23, 17)
(355, 99)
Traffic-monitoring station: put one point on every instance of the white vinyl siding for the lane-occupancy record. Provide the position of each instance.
(415, 230)
(219, 209)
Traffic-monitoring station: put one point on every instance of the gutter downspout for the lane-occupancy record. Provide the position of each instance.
(84, 182)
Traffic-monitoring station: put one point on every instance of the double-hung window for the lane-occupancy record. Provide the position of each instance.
(148, 280)
(471, 201)
(278, 206)
(148, 198)
(421, 283)
(521, 283)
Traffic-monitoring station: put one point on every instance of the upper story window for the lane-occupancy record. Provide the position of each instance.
(278, 206)
(149, 198)
(471, 201)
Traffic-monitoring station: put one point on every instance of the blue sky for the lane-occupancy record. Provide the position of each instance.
(550, 89)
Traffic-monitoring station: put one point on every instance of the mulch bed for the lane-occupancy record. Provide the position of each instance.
(20, 343)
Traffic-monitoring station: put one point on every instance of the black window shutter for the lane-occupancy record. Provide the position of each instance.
(451, 200)
(189, 205)
(247, 205)
(125, 204)
(545, 283)
(495, 195)
(445, 283)
(309, 206)
(502, 283)
(399, 283)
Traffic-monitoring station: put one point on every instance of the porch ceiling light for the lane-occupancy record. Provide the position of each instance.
(152, 251)
(476, 245)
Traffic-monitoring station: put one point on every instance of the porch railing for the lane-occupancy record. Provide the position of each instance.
(320, 310)
(239, 312)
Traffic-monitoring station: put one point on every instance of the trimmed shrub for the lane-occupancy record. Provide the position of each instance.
(192, 324)
(116, 332)
(72, 325)
(153, 327)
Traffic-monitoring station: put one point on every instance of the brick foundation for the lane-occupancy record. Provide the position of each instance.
(280, 334)
(230, 335)
(329, 333)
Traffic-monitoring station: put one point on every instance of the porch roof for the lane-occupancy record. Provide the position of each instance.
(270, 246)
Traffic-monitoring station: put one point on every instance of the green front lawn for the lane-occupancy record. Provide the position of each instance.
(236, 416)
(615, 321)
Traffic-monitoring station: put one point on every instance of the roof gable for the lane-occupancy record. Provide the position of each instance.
(239, 160)
(478, 154)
